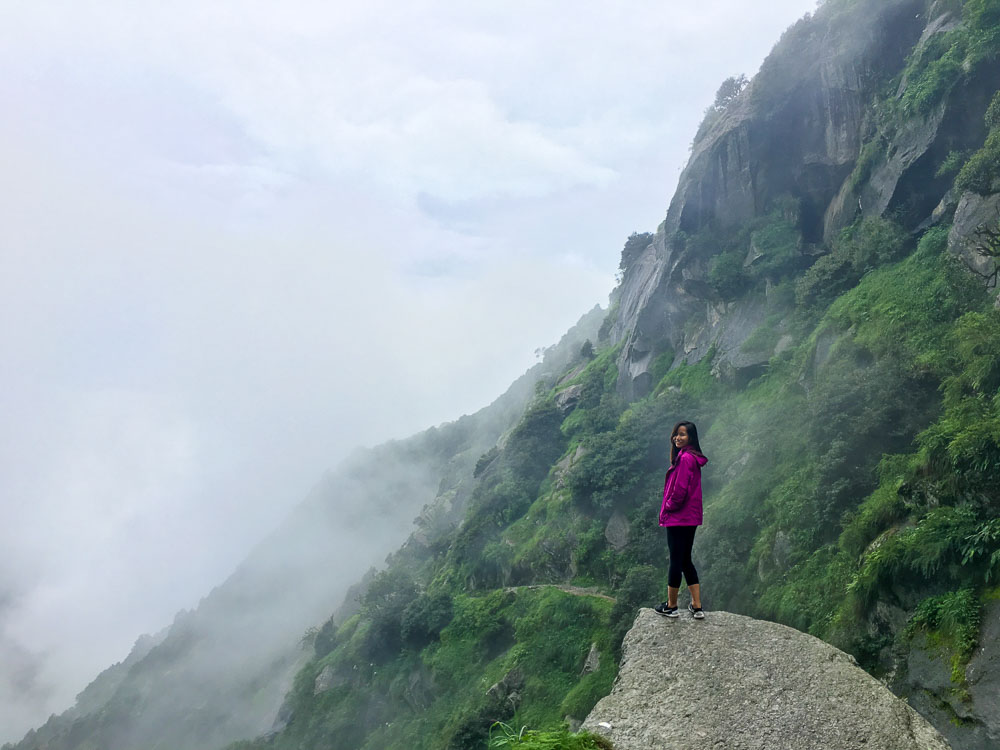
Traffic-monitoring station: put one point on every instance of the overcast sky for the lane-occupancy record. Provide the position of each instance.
(240, 238)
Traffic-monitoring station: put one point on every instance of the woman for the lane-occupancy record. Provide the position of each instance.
(681, 514)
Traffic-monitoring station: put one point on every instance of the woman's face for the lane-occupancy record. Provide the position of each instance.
(681, 438)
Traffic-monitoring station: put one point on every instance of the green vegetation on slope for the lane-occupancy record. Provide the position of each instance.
(856, 469)
(854, 475)
(530, 644)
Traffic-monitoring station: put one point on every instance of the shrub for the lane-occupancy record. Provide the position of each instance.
(871, 153)
(952, 163)
(485, 460)
(823, 281)
(503, 735)
(993, 113)
(726, 274)
(635, 245)
(777, 239)
(982, 170)
(983, 20)
(326, 639)
(871, 243)
(911, 555)
(952, 621)
(382, 604)
(639, 589)
(937, 70)
(425, 618)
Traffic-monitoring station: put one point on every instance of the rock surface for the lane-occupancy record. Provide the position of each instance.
(741, 684)
(975, 216)
(969, 714)
(617, 531)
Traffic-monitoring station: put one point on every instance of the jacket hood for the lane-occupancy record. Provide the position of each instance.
(702, 460)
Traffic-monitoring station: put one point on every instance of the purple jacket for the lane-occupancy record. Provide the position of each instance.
(682, 491)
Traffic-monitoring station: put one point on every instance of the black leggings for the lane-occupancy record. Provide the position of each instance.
(680, 540)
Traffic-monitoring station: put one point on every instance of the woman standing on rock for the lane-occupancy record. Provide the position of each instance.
(681, 514)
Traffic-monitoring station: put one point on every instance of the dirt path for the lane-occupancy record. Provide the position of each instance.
(575, 590)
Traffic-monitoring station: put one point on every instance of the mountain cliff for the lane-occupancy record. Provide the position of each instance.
(849, 118)
(820, 299)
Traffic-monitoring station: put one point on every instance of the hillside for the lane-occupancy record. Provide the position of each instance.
(821, 300)
(221, 670)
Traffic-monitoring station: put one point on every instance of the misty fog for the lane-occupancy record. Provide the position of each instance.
(241, 241)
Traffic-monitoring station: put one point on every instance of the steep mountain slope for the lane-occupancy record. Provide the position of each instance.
(820, 299)
(221, 671)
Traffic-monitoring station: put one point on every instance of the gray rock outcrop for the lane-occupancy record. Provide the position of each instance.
(976, 223)
(617, 531)
(804, 128)
(968, 714)
(742, 684)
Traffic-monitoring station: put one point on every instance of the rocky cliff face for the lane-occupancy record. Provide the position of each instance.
(816, 127)
(742, 684)
(925, 677)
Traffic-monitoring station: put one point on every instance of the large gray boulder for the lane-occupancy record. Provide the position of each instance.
(737, 683)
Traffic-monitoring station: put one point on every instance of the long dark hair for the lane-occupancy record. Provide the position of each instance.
(693, 445)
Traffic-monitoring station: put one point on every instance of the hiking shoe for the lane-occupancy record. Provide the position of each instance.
(696, 612)
(663, 609)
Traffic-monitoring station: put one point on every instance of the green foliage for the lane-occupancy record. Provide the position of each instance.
(905, 311)
(436, 696)
(326, 639)
(635, 245)
(614, 463)
(776, 237)
(808, 596)
(730, 88)
(933, 70)
(964, 443)
(982, 170)
(640, 588)
(425, 617)
(951, 621)
(727, 275)
(871, 243)
(536, 442)
(864, 246)
(871, 154)
(828, 276)
(765, 336)
(920, 551)
(485, 460)
(982, 18)
(661, 365)
(604, 332)
(952, 163)
(694, 380)
(877, 513)
(993, 113)
(773, 240)
(503, 735)
(984, 543)
(382, 605)
(583, 696)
